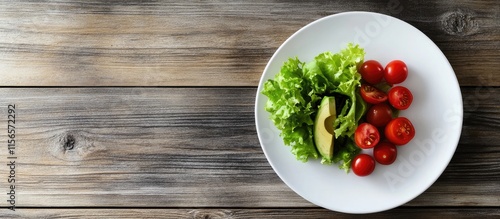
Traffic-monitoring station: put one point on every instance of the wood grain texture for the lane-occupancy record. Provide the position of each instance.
(158, 118)
(209, 43)
(141, 147)
(302, 213)
(194, 147)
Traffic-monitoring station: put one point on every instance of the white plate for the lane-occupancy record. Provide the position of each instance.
(436, 113)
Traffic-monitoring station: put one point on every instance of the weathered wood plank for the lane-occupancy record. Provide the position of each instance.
(221, 43)
(191, 147)
(139, 147)
(249, 213)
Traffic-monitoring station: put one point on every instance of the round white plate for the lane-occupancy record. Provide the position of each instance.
(436, 113)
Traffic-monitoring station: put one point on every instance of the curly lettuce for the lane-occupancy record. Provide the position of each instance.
(294, 95)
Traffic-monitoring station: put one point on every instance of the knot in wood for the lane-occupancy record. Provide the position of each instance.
(459, 23)
(72, 145)
(69, 142)
(211, 214)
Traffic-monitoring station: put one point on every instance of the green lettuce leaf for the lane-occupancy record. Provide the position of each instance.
(291, 104)
(295, 92)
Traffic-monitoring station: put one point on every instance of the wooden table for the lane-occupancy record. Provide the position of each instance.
(132, 109)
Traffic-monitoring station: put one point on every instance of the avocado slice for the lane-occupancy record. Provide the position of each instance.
(323, 127)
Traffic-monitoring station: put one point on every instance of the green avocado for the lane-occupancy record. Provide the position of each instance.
(323, 127)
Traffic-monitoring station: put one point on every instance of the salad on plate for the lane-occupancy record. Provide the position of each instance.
(337, 107)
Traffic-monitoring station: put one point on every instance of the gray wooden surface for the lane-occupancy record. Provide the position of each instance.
(140, 109)
(208, 43)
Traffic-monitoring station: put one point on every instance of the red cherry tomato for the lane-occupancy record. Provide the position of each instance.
(379, 115)
(371, 94)
(400, 97)
(372, 71)
(385, 153)
(366, 136)
(395, 72)
(363, 165)
(399, 131)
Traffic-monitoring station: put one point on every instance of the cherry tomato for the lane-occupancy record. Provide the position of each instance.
(366, 136)
(385, 153)
(372, 71)
(363, 165)
(399, 131)
(395, 72)
(400, 97)
(372, 94)
(379, 115)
